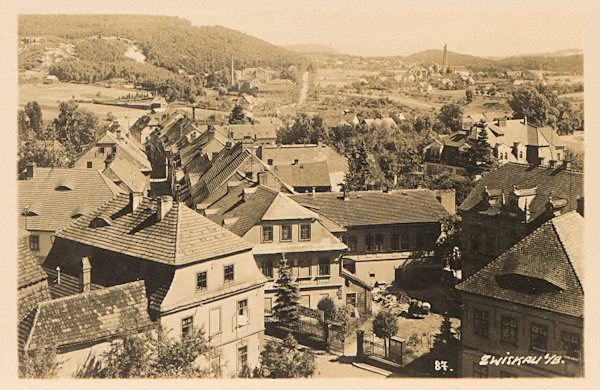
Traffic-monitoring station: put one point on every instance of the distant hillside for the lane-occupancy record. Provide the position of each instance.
(558, 61)
(558, 53)
(312, 48)
(168, 42)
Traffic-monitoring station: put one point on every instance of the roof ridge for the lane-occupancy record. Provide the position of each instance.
(177, 231)
(33, 323)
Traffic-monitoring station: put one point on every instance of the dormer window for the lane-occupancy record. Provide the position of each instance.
(99, 222)
(101, 150)
(28, 213)
(63, 187)
(76, 215)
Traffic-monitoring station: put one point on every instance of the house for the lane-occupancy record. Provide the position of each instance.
(51, 79)
(349, 119)
(279, 227)
(197, 275)
(233, 163)
(251, 134)
(147, 124)
(509, 203)
(528, 302)
(379, 122)
(278, 155)
(381, 229)
(209, 143)
(32, 288)
(273, 87)
(125, 175)
(51, 198)
(111, 146)
(305, 177)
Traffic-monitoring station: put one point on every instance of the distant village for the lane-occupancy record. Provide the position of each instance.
(197, 217)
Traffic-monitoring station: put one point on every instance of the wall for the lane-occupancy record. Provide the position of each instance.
(413, 230)
(380, 270)
(474, 346)
(45, 241)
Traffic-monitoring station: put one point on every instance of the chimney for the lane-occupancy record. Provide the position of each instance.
(228, 145)
(163, 205)
(57, 275)
(86, 275)
(30, 168)
(580, 205)
(193, 112)
(135, 198)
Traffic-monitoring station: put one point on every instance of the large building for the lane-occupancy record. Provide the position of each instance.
(51, 198)
(381, 229)
(196, 274)
(510, 202)
(528, 302)
(279, 227)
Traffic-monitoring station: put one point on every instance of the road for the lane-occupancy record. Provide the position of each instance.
(304, 89)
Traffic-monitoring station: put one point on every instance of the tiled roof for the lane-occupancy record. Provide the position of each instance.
(304, 174)
(91, 317)
(304, 153)
(197, 146)
(69, 285)
(551, 254)
(182, 236)
(32, 284)
(129, 149)
(122, 171)
(555, 182)
(54, 207)
(375, 207)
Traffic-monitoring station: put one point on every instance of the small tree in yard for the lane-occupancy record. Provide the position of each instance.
(40, 363)
(328, 307)
(283, 360)
(446, 336)
(286, 301)
(385, 325)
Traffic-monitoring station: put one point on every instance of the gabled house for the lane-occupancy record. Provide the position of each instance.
(509, 203)
(278, 155)
(125, 175)
(48, 199)
(197, 274)
(528, 302)
(305, 177)
(111, 146)
(277, 226)
(250, 134)
(381, 229)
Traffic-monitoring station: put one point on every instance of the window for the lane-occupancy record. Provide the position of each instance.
(404, 240)
(395, 241)
(242, 308)
(114, 149)
(520, 154)
(305, 232)
(481, 322)
(571, 344)
(539, 337)
(286, 232)
(248, 175)
(201, 281)
(352, 243)
(267, 269)
(270, 161)
(379, 242)
(351, 299)
(89, 164)
(34, 242)
(102, 150)
(268, 306)
(187, 326)
(558, 156)
(369, 243)
(480, 371)
(295, 161)
(324, 267)
(228, 273)
(267, 234)
(242, 357)
(509, 330)
(214, 321)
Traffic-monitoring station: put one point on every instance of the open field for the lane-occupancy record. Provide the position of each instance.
(49, 95)
(575, 142)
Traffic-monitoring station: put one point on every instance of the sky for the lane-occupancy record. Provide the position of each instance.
(373, 28)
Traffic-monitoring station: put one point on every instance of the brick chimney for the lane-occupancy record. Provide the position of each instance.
(163, 205)
(135, 198)
(86, 275)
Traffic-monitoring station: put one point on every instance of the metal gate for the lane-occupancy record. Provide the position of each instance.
(336, 338)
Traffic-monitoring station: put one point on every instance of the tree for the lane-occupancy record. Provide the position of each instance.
(480, 157)
(358, 170)
(43, 154)
(41, 363)
(304, 130)
(328, 307)
(469, 96)
(450, 118)
(283, 360)
(155, 355)
(75, 128)
(385, 325)
(286, 293)
(237, 115)
(446, 249)
(446, 336)
(34, 114)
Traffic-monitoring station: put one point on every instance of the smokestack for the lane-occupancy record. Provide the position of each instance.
(86, 274)
(445, 59)
(163, 205)
(57, 275)
(135, 198)
(30, 168)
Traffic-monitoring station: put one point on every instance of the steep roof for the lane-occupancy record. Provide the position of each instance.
(304, 153)
(91, 317)
(304, 174)
(375, 207)
(56, 195)
(543, 270)
(32, 285)
(123, 171)
(188, 152)
(182, 236)
(555, 182)
(127, 148)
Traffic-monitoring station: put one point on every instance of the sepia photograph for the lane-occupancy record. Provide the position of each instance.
(264, 190)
